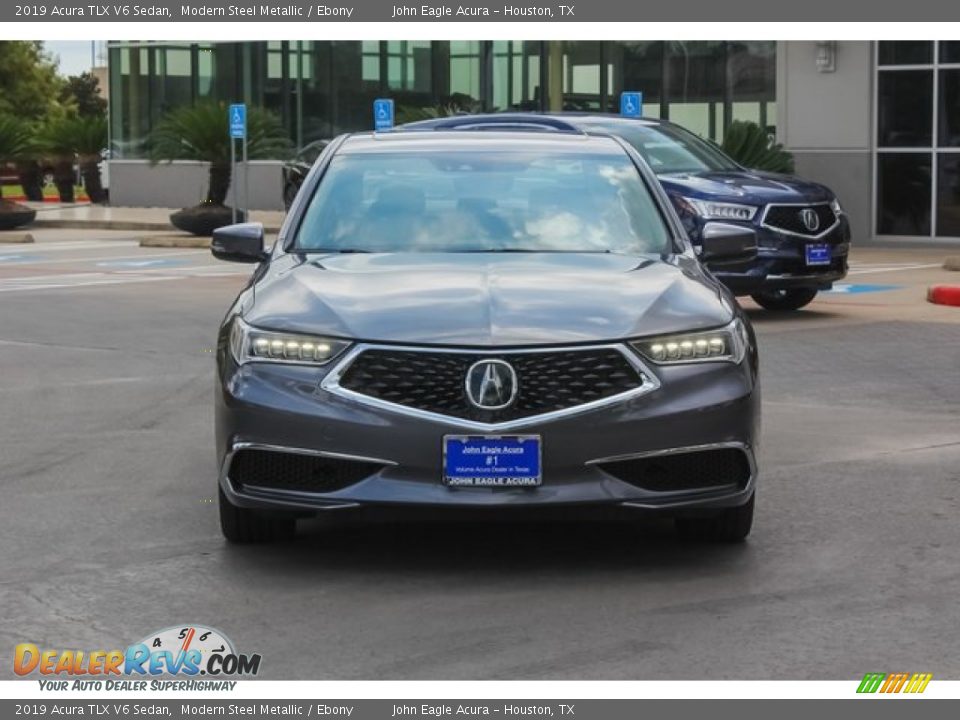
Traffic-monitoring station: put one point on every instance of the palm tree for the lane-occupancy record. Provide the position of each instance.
(202, 132)
(58, 140)
(90, 139)
(751, 146)
(16, 143)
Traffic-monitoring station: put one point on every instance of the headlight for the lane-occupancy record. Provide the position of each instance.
(710, 210)
(835, 206)
(251, 344)
(727, 344)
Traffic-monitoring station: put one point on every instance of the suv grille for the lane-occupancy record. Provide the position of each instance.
(293, 471)
(698, 470)
(435, 381)
(788, 217)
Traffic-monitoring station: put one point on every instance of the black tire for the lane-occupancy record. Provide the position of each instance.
(242, 525)
(729, 526)
(785, 300)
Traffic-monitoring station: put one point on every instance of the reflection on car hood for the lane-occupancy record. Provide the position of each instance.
(484, 299)
(746, 186)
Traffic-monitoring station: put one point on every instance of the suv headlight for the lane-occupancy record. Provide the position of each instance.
(726, 344)
(711, 210)
(835, 206)
(249, 344)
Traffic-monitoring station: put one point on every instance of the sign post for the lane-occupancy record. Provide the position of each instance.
(382, 114)
(238, 131)
(631, 104)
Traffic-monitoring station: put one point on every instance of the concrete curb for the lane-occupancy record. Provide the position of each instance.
(55, 224)
(944, 295)
(15, 237)
(175, 241)
(952, 263)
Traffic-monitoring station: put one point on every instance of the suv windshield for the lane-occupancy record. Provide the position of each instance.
(489, 201)
(667, 148)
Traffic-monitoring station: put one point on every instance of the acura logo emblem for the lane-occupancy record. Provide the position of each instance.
(811, 221)
(491, 384)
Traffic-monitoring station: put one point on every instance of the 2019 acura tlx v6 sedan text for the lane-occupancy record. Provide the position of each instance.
(503, 319)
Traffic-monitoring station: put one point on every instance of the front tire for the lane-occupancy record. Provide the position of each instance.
(242, 525)
(731, 525)
(785, 300)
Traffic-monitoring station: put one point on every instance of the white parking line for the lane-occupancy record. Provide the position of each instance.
(886, 269)
(96, 258)
(77, 245)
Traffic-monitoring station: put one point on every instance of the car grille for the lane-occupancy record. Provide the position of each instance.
(435, 381)
(787, 217)
(279, 470)
(699, 470)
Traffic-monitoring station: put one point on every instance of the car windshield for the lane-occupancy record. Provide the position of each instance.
(667, 148)
(483, 201)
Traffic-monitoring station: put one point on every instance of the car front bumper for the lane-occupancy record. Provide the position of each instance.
(781, 263)
(283, 408)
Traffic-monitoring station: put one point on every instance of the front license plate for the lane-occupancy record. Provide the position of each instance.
(484, 461)
(818, 254)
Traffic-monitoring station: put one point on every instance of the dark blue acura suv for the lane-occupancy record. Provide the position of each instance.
(803, 235)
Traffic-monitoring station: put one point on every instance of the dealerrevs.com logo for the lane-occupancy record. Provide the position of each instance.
(182, 650)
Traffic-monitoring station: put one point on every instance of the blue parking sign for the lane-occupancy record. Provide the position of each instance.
(382, 114)
(631, 104)
(238, 120)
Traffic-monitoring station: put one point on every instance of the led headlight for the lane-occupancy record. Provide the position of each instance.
(835, 206)
(252, 344)
(710, 210)
(726, 344)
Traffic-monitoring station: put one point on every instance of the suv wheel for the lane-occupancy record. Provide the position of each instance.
(785, 299)
(242, 525)
(731, 525)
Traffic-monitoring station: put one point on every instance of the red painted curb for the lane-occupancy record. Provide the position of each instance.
(944, 295)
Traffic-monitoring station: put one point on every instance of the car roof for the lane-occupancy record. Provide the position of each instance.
(459, 140)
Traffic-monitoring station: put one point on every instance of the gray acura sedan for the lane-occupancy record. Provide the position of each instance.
(511, 318)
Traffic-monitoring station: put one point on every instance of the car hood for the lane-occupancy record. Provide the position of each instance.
(745, 186)
(485, 299)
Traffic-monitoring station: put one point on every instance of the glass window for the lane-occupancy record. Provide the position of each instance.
(483, 201)
(129, 100)
(696, 82)
(752, 77)
(581, 75)
(904, 108)
(948, 194)
(666, 148)
(903, 193)
(465, 68)
(636, 66)
(906, 52)
(516, 75)
(948, 134)
(950, 52)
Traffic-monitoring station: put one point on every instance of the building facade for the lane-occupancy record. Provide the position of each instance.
(878, 122)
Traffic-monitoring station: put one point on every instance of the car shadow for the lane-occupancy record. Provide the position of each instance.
(761, 317)
(398, 544)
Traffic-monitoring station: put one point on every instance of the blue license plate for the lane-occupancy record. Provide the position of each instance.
(500, 461)
(818, 254)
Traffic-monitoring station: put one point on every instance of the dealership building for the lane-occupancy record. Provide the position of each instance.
(879, 122)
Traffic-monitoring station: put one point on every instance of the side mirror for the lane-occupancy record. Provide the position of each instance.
(725, 242)
(242, 242)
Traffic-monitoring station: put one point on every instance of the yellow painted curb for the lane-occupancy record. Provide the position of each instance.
(15, 237)
(175, 241)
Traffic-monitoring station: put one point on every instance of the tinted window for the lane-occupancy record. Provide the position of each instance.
(906, 52)
(667, 148)
(949, 133)
(905, 108)
(903, 193)
(483, 201)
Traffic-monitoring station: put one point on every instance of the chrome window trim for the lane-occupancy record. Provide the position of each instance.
(331, 383)
(766, 209)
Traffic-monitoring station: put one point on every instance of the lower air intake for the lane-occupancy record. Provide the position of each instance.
(277, 470)
(700, 470)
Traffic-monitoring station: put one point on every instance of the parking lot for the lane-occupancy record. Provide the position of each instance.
(110, 519)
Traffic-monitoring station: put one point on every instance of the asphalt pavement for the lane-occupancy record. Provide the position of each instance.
(110, 530)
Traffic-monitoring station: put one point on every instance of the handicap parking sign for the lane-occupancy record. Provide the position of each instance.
(631, 104)
(382, 114)
(238, 120)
